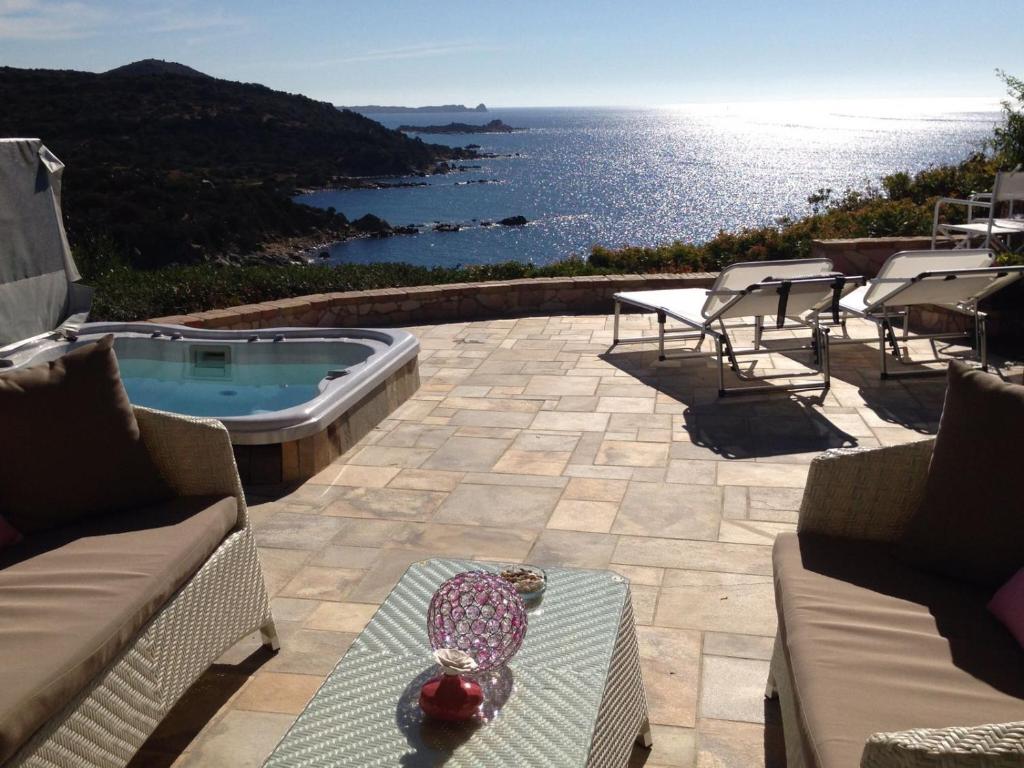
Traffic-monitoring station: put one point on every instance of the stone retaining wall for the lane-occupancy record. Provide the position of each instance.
(439, 303)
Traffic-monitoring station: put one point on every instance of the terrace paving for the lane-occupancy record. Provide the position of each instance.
(529, 441)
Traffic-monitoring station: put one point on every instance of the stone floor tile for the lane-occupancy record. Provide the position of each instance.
(770, 500)
(640, 575)
(292, 609)
(293, 531)
(740, 646)
(355, 475)
(492, 419)
(574, 403)
(734, 502)
(752, 531)
(366, 532)
(278, 692)
(460, 540)
(725, 744)
(591, 471)
(645, 603)
(526, 507)
(389, 456)
(558, 386)
(748, 473)
(630, 454)
(595, 489)
(720, 602)
(386, 503)
(530, 440)
(670, 660)
(532, 462)
(583, 515)
(279, 566)
(385, 573)
(309, 651)
(322, 583)
(340, 617)
(519, 481)
(467, 454)
(670, 511)
(412, 435)
(426, 480)
(570, 421)
(695, 555)
(692, 471)
(673, 748)
(625, 405)
(240, 739)
(573, 549)
(733, 689)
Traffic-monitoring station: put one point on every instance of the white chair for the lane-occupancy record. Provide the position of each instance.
(955, 280)
(793, 290)
(994, 230)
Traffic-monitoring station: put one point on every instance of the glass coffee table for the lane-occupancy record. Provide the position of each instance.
(571, 697)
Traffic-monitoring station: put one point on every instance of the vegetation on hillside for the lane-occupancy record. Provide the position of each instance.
(167, 165)
(901, 204)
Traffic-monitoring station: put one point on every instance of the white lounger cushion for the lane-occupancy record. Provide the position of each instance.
(737, 277)
(681, 303)
(900, 268)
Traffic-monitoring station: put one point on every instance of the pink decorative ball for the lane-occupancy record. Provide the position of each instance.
(479, 613)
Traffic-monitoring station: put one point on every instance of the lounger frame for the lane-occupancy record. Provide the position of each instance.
(223, 602)
(896, 306)
(714, 326)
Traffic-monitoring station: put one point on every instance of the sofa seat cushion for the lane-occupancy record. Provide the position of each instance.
(875, 645)
(72, 599)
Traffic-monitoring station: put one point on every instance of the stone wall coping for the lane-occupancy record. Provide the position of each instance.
(525, 295)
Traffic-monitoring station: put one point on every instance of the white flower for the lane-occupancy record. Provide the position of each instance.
(454, 661)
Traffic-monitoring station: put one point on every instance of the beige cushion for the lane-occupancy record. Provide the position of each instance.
(874, 645)
(71, 446)
(73, 598)
(970, 524)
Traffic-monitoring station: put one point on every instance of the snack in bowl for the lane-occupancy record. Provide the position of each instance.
(528, 582)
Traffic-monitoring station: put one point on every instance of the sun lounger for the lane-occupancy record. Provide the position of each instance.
(792, 290)
(955, 280)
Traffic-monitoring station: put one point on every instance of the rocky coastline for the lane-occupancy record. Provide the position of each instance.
(494, 126)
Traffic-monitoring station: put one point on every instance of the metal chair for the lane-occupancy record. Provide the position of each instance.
(996, 232)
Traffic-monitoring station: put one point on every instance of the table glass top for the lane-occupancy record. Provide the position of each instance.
(540, 709)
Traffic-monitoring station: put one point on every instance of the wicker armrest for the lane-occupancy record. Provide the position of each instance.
(193, 455)
(1000, 745)
(864, 493)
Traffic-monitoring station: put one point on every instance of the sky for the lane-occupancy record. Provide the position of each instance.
(553, 53)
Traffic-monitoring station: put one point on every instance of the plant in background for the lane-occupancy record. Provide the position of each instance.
(1008, 139)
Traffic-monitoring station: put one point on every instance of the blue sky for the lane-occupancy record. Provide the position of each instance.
(569, 52)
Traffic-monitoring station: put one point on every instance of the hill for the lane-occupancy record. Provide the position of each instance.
(156, 67)
(166, 164)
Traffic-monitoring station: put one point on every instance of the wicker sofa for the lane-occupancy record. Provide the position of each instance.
(223, 601)
(871, 656)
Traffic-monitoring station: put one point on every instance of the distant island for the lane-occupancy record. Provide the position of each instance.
(377, 109)
(168, 165)
(495, 126)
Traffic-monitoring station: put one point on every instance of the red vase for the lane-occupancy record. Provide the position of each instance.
(451, 698)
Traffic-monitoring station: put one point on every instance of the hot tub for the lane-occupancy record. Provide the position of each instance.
(293, 399)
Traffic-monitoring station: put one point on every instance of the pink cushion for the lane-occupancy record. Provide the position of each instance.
(1007, 605)
(8, 533)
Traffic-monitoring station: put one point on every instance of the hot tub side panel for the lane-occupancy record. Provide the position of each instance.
(298, 460)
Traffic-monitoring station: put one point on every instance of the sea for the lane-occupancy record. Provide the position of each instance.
(618, 176)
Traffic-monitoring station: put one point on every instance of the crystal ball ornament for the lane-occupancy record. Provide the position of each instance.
(479, 613)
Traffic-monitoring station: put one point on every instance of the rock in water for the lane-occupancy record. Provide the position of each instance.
(513, 221)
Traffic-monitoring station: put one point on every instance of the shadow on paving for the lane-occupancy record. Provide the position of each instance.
(737, 427)
(195, 710)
